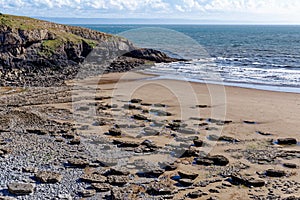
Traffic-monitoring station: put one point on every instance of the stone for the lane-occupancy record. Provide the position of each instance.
(140, 117)
(88, 193)
(107, 162)
(117, 180)
(188, 175)
(48, 177)
(36, 131)
(275, 173)
(188, 131)
(150, 131)
(191, 152)
(219, 160)
(198, 142)
(101, 187)
(125, 144)
(214, 191)
(151, 172)
(290, 165)
(94, 177)
(185, 182)
(255, 182)
(156, 188)
(78, 163)
(160, 113)
(115, 132)
(287, 141)
(136, 100)
(118, 171)
(20, 188)
(75, 141)
(195, 194)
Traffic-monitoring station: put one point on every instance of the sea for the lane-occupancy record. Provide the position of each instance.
(265, 57)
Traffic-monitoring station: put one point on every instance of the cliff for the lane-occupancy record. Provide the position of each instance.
(40, 53)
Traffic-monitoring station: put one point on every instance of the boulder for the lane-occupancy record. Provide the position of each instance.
(20, 188)
(48, 177)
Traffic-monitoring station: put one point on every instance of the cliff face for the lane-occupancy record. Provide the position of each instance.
(35, 52)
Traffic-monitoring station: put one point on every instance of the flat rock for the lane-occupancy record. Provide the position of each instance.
(94, 177)
(287, 141)
(78, 163)
(198, 142)
(290, 165)
(219, 160)
(88, 193)
(125, 144)
(20, 188)
(140, 117)
(48, 177)
(275, 173)
(195, 194)
(117, 180)
(115, 132)
(101, 187)
(185, 182)
(188, 175)
(150, 131)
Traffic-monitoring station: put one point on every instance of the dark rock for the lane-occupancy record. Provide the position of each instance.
(275, 173)
(150, 131)
(188, 175)
(136, 100)
(48, 177)
(140, 117)
(115, 132)
(290, 165)
(101, 187)
(187, 131)
(255, 182)
(202, 106)
(75, 141)
(249, 122)
(36, 131)
(151, 172)
(228, 139)
(287, 141)
(125, 144)
(185, 182)
(214, 191)
(88, 193)
(20, 188)
(263, 133)
(160, 112)
(118, 180)
(195, 194)
(158, 189)
(132, 107)
(190, 153)
(198, 142)
(215, 160)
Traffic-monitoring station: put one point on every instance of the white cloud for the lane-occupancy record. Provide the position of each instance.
(223, 9)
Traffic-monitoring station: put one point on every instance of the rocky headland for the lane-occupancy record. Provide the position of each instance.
(41, 53)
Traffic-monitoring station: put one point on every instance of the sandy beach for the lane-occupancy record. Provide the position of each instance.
(133, 135)
(256, 118)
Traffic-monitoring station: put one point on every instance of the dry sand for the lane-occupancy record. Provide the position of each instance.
(275, 113)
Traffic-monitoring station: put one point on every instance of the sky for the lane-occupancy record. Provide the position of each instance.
(223, 11)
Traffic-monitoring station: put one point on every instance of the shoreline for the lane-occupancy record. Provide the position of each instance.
(271, 88)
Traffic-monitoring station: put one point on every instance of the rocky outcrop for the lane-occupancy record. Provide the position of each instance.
(40, 53)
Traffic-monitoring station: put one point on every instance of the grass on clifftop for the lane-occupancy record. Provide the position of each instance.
(62, 33)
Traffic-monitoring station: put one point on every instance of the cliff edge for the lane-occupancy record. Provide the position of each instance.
(40, 53)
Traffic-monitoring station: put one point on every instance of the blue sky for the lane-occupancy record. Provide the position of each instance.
(257, 11)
